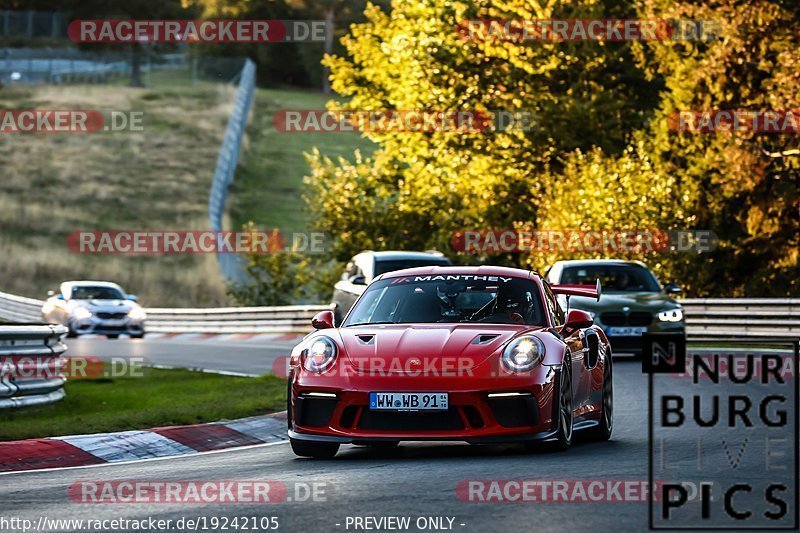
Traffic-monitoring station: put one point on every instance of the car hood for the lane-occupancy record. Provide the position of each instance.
(636, 301)
(110, 306)
(423, 348)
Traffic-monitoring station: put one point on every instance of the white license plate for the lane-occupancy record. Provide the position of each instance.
(625, 331)
(408, 401)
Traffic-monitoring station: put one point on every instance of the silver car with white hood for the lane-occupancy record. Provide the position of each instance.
(94, 307)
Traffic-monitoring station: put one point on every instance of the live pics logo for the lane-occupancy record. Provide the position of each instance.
(723, 438)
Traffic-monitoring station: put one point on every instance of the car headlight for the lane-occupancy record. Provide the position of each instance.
(319, 355)
(671, 315)
(81, 313)
(523, 354)
(137, 313)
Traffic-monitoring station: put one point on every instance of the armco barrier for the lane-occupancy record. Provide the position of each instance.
(293, 318)
(706, 318)
(30, 364)
(230, 264)
(19, 309)
(279, 319)
(719, 318)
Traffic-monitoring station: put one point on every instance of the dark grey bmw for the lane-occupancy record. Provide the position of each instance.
(633, 300)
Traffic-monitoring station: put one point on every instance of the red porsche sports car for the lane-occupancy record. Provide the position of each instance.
(477, 354)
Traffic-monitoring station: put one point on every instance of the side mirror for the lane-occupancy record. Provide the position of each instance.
(358, 280)
(577, 319)
(50, 294)
(323, 320)
(132, 297)
(672, 288)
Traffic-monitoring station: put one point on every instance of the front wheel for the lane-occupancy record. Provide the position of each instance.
(137, 336)
(315, 450)
(565, 414)
(115, 336)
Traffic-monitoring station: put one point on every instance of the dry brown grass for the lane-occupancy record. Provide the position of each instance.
(54, 184)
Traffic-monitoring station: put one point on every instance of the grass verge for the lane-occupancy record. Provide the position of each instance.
(155, 179)
(152, 398)
(269, 181)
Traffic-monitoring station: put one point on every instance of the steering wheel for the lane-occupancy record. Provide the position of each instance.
(516, 318)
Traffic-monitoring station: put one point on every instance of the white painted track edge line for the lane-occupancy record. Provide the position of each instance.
(148, 459)
(206, 371)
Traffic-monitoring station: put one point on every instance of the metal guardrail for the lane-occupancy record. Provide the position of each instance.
(293, 318)
(30, 364)
(20, 309)
(706, 318)
(230, 264)
(279, 319)
(719, 318)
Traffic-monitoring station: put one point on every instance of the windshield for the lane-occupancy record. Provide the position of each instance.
(613, 277)
(449, 299)
(382, 267)
(96, 293)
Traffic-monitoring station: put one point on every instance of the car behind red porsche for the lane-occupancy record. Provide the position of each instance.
(476, 354)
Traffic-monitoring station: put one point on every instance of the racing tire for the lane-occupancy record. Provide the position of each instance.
(602, 432)
(289, 402)
(71, 334)
(138, 336)
(563, 440)
(115, 336)
(315, 450)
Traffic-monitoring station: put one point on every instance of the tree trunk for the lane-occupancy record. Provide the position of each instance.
(136, 65)
(329, 29)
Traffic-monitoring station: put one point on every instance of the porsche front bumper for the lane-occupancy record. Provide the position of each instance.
(482, 409)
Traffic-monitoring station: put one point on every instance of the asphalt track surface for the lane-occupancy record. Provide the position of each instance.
(415, 480)
(246, 357)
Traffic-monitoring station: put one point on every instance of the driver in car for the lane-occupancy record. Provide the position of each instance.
(511, 307)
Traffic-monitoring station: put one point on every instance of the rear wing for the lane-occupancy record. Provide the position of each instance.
(579, 290)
